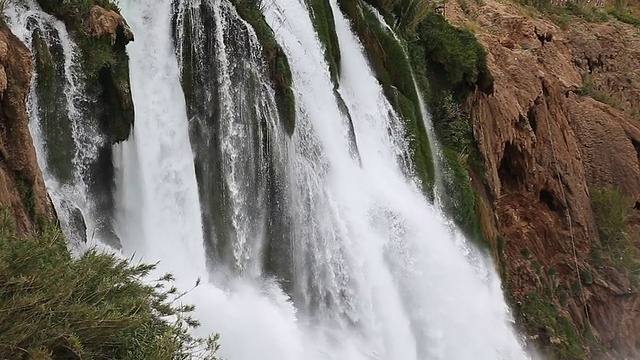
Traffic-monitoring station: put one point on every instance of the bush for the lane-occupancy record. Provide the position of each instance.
(611, 211)
(456, 61)
(55, 306)
(406, 14)
(620, 246)
(542, 318)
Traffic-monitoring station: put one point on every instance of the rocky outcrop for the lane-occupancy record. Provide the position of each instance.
(101, 34)
(108, 23)
(559, 124)
(21, 183)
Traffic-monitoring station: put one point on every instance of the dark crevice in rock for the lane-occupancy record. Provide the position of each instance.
(543, 37)
(594, 63)
(533, 121)
(512, 167)
(547, 198)
(636, 146)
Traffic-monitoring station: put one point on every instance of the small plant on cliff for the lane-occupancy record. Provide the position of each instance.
(620, 245)
(611, 210)
(457, 62)
(54, 306)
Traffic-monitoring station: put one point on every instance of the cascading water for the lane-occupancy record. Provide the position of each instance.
(66, 138)
(234, 131)
(157, 192)
(371, 269)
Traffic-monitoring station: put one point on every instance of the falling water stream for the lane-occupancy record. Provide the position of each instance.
(305, 250)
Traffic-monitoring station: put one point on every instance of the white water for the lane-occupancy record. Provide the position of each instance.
(418, 290)
(378, 273)
(71, 200)
(157, 193)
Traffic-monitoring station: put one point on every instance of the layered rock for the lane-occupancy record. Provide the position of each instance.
(546, 143)
(21, 183)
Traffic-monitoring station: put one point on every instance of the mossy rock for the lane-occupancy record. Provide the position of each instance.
(277, 62)
(54, 119)
(557, 333)
(324, 23)
(105, 65)
(455, 60)
(393, 70)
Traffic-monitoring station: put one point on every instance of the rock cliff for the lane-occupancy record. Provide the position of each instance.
(561, 124)
(21, 183)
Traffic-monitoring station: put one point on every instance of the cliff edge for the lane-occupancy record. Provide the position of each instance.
(21, 183)
(560, 143)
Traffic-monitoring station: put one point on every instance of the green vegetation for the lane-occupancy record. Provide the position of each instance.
(586, 11)
(461, 201)
(404, 15)
(557, 332)
(55, 306)
(325, 28)
(105, 66)
(96, 52)
(448, 64)
(27, 197)
(619, 245)
(277, 61)
(452, 63)
(456, 62)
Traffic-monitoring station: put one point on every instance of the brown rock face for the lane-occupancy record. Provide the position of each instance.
(545, 141)
(21, 184)
(108, 23)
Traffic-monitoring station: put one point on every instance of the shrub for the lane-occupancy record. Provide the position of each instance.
(406, 14)
(611, 211)
(455, 59)
(620, 247)
(541, 317)
(96, 306)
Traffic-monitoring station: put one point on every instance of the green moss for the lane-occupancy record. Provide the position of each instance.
(393, 70)
(455, 60)
(54, 118)
(105, 66)
(542, 318)
(461, 200)
(619, 245)
(586, 277)
(277, 61)
(323, 22)
(27, 197)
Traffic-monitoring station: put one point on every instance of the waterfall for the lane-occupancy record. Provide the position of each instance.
(306, 251)
(237, 142)
(68, 145)
(390, 266)
(157, 193)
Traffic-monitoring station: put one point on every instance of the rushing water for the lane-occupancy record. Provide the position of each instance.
(306, 251)
(66, 136)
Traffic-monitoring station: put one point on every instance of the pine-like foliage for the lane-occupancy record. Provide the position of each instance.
(55, 306)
